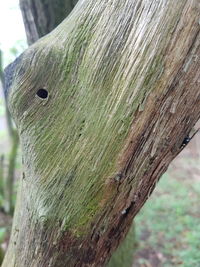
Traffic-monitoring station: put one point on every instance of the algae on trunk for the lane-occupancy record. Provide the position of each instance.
(95, 147)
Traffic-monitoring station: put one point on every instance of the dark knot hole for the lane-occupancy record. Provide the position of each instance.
(42, 93)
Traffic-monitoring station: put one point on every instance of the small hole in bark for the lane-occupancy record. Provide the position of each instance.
(42, 93)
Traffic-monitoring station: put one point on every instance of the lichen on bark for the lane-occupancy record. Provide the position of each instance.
(95, 148)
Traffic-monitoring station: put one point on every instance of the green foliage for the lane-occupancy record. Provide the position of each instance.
(2, 234)
(2, 108)
(8, 158)
(10, 54)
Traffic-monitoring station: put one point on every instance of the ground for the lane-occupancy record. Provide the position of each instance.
(168, 226)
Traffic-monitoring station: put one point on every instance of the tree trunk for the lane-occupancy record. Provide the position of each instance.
(123, 256)
(40, 17)
(102, 105)
(36, 27)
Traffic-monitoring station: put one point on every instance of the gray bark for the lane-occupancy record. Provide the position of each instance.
(123, 97)
(42, 16)
(33, 13)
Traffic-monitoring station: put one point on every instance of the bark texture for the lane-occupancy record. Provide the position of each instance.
(42, 16)
(39, 19)
(123, 96)
(124, 255)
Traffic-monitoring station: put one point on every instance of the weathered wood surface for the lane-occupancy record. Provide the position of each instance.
(42, 16)
(123, 96)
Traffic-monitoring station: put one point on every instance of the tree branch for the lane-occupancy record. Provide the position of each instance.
(123, 94)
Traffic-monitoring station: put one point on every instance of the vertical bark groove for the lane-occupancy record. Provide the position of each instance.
(42, 16)
(124, 93)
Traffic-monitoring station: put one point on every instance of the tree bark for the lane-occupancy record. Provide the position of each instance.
(41, 17)
(43, 13)
(123, 96)
(124, 255)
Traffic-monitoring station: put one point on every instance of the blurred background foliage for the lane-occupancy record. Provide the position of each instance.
(168, 226)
